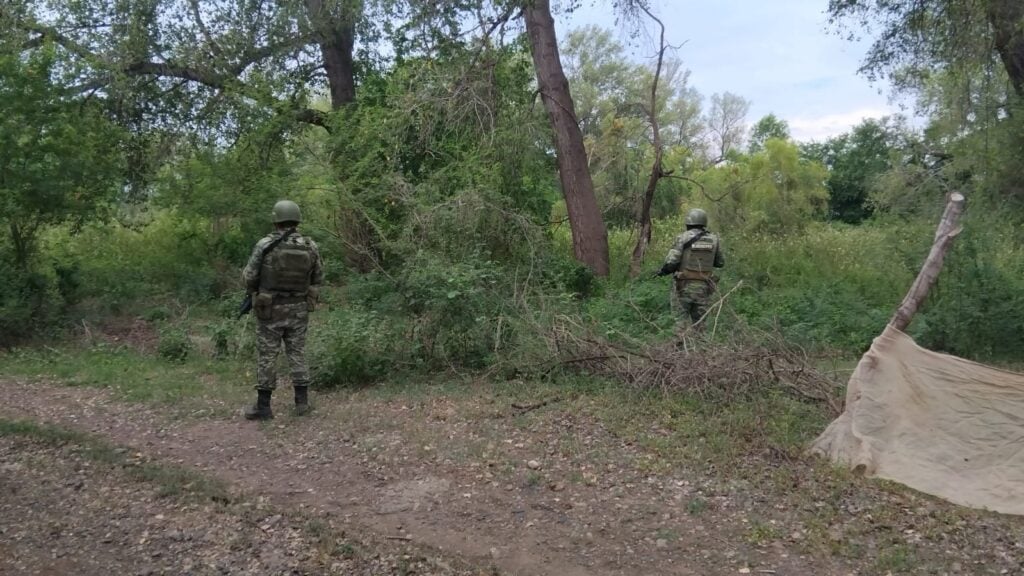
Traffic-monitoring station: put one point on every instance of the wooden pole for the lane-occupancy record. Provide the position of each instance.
(944, 235)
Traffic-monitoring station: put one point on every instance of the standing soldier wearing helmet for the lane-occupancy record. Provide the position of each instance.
(693, 257)
(283, 277)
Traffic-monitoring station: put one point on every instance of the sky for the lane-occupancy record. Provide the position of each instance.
(778, 54)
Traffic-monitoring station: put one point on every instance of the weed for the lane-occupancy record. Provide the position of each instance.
(761, 533)
(898, 559)
(696, 506)
(174, 345)
(345, 550)
(156, 314)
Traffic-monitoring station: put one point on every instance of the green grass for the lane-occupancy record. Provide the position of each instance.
(169, 480)
(132, 376)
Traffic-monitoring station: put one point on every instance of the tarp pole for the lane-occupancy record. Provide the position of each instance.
(944, 235)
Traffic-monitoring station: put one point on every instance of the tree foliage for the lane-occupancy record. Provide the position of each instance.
(59, 157)
(915, 38)
(856, 161)
(774, 192)
(726, 122)
(767, 127)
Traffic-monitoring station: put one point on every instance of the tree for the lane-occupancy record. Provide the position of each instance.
(726, 125)
(920, 36)
(600, 76)
(657, 166)
(855, 161)
(59, 157)
(590, 237)
(772, 192)
(194, 58)
(768, 127)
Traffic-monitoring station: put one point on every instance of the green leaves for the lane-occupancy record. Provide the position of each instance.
(59, 156)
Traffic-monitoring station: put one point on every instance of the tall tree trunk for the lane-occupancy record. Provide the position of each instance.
(335, 34)
(1007, 20)
(589, 235)
(644, 238)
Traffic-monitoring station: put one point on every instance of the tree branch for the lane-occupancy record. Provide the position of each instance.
(171, 69)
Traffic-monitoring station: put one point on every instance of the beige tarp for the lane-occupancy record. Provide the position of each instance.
(937, 423)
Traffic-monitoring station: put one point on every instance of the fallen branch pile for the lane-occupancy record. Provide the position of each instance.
(720, 369)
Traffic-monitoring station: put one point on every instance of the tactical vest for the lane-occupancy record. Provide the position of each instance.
(700, 256)
(287, 268)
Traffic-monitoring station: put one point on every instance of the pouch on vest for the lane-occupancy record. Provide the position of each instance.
(263, 304)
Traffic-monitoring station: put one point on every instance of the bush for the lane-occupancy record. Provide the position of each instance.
(30, 302)
(174, 345)
(977, 308)
(355, 346)
(168, 255)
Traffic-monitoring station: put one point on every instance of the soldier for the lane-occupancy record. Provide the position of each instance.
(283, 277)
(693, 257)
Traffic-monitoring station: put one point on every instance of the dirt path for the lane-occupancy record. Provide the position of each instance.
(65, 511)
(495, 493)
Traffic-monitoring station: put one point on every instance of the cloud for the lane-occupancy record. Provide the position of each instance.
(822, 127)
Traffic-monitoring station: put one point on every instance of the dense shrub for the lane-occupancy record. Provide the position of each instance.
(174, 345)
(977, 308)
(30, 304)
(355, 346)
(167, 255)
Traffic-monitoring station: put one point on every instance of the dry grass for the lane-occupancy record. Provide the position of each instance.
(696, 362)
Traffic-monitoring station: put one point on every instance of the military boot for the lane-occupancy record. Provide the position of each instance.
(261, 410)
(302, 406)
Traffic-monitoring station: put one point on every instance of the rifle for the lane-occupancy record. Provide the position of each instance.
(246, 306)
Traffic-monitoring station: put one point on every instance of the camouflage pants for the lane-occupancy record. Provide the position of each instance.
(692, 298)
(287, 325)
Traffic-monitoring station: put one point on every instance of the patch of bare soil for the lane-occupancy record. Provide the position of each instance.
(543, 490)
(131, 331)
(498, 495)
(62, 513)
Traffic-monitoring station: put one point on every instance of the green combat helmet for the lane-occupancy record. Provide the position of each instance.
(286, 211)
(696, 217)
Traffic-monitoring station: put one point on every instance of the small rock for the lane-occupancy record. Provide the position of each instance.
(661, 543)
(744, 570)
(556, 486)
(533, 465)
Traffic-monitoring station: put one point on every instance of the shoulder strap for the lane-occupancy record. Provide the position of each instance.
(696, 237)
(273, 244)
(276, 241)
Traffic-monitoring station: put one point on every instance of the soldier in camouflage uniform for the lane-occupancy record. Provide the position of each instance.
(692, 259)
(283, 280)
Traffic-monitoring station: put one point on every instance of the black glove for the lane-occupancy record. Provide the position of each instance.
(666, 269)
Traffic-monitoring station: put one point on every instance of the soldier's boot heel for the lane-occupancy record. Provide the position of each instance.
(261, 410)
(302, 406)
